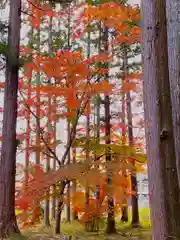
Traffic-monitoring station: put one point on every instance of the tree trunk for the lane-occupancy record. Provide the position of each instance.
(38, 118)
(88, 223)
(59, 209)
(38, 83)
(53, 210)
(97, 137)
(8, 222)
(47, 201)
(28, 117)
(54, 199)
(134, 187)
(74, 214)
(162, 172)
(111, 228)
(68, 206)
(97, 124)
(124, 209)
(173, 28)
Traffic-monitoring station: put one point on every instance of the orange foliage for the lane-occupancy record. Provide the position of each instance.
(120, 18)
(76, 83)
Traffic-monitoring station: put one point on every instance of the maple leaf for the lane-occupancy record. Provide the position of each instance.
(128, 86)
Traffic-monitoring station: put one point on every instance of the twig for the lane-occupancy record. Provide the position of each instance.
(40, 132)
(34, 5)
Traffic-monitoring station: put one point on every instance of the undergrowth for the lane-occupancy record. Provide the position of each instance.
(76, 230)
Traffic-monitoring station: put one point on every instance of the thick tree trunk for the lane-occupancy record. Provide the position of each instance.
(8, 222)
(173, 28)
(163, 179)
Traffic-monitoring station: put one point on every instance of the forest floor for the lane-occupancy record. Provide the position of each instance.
(76, 230)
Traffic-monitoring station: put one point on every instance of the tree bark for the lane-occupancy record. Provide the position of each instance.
(134, 187)
(97, 124)
(173, 29)
(8, 223)
(59, 208)
(124, 209)
(28, 117)
(74, 214)
(53, 200)
(68, 195)
(162, 172)
(89, 222)
(111, 225)
(47, 201)
(38, 118)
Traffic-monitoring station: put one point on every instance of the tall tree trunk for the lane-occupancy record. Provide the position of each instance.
(134, 197)
(97, 134)
(28, 118)
(162, 172)
(47, 202)
(88, 223)
(134, 186)
(8, 222)
(38, 83)
(111, 228)
(124, 209)
(38, 120)
(173, 28)
(54, 188)
(68, 206)
(53, 214)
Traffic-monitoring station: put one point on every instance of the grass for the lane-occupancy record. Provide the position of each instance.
(75, 229)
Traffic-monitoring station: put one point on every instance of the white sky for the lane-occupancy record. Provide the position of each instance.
(134, 1)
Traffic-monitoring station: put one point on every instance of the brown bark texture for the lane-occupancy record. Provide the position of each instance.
(173, 29)
(134, 185)
(8, 224)
(111, 226)
(59, 208)
(68, 195)
(124, 209)
(48, 159)
(162, 172)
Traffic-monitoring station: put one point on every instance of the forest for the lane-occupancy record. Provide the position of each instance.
(89, 116)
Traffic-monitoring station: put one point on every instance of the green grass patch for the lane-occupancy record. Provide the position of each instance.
(76, 229)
